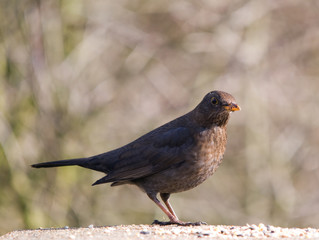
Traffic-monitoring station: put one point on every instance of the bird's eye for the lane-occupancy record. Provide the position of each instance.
(214, 101)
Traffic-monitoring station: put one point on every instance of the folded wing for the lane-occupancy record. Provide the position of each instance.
(148, 155)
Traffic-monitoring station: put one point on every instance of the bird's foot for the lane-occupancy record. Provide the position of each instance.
(180, 223)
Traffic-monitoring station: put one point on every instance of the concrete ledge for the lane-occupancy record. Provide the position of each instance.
(165, 232)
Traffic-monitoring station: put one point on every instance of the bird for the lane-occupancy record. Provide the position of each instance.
(172, 158)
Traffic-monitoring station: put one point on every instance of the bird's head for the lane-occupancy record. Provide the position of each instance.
(215, 109)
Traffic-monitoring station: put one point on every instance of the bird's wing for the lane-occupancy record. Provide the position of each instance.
(150, 154)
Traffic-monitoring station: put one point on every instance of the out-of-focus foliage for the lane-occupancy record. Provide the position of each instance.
(78, 78)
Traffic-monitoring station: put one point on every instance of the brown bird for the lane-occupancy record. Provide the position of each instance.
(175, 157)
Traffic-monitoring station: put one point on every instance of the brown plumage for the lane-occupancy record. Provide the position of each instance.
(175, 157)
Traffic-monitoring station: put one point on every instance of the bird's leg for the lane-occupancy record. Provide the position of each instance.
(172, 217)
(165, 197)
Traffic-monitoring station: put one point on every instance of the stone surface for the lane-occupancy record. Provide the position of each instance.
(165, 232)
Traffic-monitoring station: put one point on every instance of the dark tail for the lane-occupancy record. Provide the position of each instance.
(61, 163)
(98, 163)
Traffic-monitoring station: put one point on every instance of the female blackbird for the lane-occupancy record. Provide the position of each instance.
(175, 157)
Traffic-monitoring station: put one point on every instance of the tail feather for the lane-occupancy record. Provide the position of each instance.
(100, 181)
(97, 163)
(60, 163)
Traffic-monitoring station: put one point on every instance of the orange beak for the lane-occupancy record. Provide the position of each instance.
(232, 107)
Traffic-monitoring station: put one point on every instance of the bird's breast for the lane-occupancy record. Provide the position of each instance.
(209, 150)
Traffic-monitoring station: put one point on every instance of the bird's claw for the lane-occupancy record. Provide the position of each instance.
(180, 223)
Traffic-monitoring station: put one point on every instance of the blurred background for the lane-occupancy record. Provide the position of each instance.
(78, 78)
